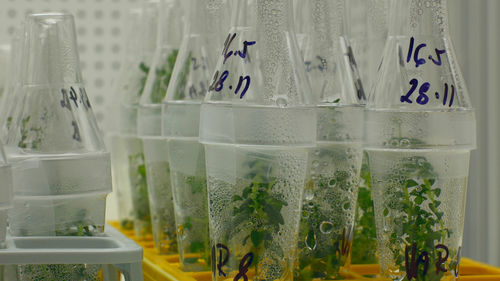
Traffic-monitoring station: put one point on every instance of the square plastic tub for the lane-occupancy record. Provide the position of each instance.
(60, 215)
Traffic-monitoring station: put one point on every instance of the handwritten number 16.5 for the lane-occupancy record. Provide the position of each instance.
(416, 54)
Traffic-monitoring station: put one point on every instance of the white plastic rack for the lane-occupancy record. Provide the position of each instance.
(113, 250)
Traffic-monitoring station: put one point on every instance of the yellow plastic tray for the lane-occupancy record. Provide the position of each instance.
(166, 268)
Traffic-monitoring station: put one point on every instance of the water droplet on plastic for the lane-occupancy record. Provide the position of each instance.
(315, 163)
(308, 194)
(311, 241)
(332, 183)
(405, 143)
(346, 206)
(326, 227)
(281, 102)
(394, 143)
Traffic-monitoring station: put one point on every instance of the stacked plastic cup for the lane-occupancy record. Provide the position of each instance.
(180, 125)
(257, 124)
(5, 195)
(149, 126)
(60, 170)
(420, 131)
(126, 146)
(331, 190)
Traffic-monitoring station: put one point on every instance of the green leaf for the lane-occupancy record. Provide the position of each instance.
(437, 191)
(257, 237)
(411, 183)
(196, 247)
(187, 223)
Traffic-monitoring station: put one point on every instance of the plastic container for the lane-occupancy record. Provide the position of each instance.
(149, 126)
(58, 258)
(61, 172)
(420, 130)
(180, 125)
(5, 195)
(258, 122)
(129, 172)
(331, 190)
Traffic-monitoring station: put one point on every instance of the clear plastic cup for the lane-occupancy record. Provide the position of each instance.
(180, 125)
(149, 126)
(60, 169)
(331, 189)
(5, 195)
(126, 145)
(419, 132)
(258, 123)
(160, 195)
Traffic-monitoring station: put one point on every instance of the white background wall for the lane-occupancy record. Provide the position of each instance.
(475, 28)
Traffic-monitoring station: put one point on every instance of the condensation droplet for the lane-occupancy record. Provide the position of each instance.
(394, 143)
(315, 163)
(311, 241)
(405, 143)
(326, 227)
(332, 183)
(308, 194)
(346, 206)
(281, 102)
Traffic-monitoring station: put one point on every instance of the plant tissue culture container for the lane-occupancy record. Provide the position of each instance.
(60, 170)
(367, 34)
(127, 152)
(420, 130)
(180, 125)
(149, 126)
(5, 196)
(258, 123)
(331, 189)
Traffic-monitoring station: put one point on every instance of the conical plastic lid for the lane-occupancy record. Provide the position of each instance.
(54, 114)
(4, 68)
(419, 69)
(259, 93)
(9, 99)
(197, 55)
(169, 37)
(420, 80)
(140, 47)
(193, 69)
(328, 56)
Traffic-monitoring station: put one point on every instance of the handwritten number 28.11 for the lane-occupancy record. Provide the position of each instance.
(423, 99)
(218, 83)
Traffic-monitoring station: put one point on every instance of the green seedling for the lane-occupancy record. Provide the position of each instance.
(364, 247)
